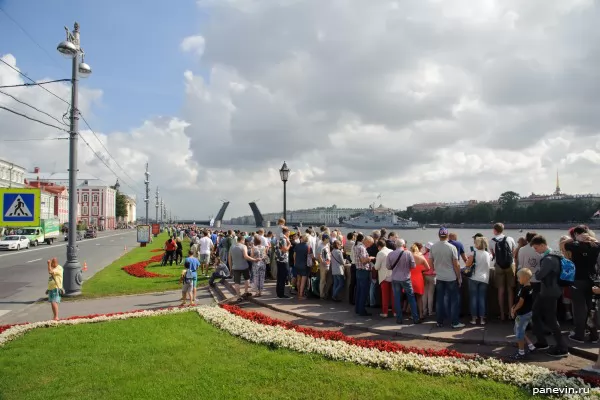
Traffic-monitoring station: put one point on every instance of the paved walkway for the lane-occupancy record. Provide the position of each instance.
(42, 312)
(494, 334)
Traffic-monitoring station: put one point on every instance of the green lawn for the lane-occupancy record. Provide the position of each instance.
(183, 357)
(112, 280)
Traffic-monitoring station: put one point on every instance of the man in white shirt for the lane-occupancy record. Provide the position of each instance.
(444, 257)
(312, 241)
(384, 276)
(504, 268)
(206, 246)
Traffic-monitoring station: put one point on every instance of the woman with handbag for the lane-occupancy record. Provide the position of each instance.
(477, 269)
(55, 285)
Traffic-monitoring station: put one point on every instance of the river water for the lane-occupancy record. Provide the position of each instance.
(430, 234)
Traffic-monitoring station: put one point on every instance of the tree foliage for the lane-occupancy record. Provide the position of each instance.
(508, 210)
(120, 205)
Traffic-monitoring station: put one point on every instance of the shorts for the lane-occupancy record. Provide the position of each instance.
(301, 271)
(195, 282)
(504, 277)
(237, 275)
(54, 296)
(521, 323)
(204, 258)
(187, 287)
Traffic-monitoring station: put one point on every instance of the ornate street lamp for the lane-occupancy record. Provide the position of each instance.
(284, 173)
(71, 48)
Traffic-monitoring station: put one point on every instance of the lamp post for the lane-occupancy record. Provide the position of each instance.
(147, 198)
(284, 173)
(156, 203)
(71, 48)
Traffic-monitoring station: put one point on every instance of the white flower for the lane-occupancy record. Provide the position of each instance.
(523, 375)
(18, 330)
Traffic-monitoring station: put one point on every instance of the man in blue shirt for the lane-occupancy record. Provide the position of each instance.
(460, 249)
(193, 264)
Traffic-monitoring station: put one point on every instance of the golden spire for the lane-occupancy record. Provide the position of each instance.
(557, 192)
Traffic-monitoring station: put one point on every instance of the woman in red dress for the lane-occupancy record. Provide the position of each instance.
(416, 275)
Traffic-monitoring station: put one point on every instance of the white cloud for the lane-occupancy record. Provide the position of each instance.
(418, 100)
(193, 44)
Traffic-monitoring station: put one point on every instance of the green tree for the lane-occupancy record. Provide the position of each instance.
(120, 205)
(508, 200)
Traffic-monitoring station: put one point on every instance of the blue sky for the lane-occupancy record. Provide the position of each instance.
(132, 47)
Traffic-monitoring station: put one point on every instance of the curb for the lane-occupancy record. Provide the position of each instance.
(587, 354)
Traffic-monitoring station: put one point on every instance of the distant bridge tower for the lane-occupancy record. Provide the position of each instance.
(257, 215)
(219, 218)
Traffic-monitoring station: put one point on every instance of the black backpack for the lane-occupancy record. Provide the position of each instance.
(503, 253)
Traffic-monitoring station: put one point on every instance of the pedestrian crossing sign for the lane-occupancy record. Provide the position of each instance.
(20, 207)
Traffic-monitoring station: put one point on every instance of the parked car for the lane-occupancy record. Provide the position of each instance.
(78, 236)
(90, 234)
(14, 242)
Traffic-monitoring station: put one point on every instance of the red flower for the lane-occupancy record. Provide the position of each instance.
(382, 345)
(6, 327)
(139, 269)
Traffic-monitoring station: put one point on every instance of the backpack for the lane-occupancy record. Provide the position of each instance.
(503, 253)
(566, 278)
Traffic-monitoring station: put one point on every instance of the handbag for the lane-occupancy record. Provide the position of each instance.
(61, 291)
(469, 271)
(397, 260)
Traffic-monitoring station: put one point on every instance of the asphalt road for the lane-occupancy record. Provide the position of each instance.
(24, 274)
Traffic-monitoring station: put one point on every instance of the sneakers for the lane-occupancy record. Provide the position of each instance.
(558, 353)
(575, 338)
(458, 326)
(539, 346)
(518, 356)
(383, 315)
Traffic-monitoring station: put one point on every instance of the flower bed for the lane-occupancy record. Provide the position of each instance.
(138, 269)
(334, 345)
(382, 345)
(11, 332)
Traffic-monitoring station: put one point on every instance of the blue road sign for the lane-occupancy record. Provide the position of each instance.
(20, 207)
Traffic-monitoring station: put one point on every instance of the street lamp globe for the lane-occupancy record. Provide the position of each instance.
(284, 172)
(84, 70)
(67, 49)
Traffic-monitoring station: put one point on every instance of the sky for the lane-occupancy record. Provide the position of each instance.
(416, 100)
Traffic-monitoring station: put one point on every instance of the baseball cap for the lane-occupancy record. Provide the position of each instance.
(428, 245)
(325, 236)
(443, 231)
(477, 235)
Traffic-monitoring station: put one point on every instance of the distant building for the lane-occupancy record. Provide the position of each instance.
(557, 196)
(54, 200)
(432, 206)
(320, 215)
(62, 178)
(131, 207)
(11, 175)
(98, 205)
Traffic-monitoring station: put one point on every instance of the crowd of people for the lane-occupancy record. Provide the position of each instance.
(419, 281)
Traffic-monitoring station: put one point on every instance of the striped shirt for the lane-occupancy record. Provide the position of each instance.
(360, 252)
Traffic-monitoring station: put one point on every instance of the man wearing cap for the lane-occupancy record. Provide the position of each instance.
(444, 257)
